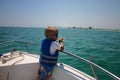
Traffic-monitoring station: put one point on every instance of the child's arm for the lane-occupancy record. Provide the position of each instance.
(61, 44)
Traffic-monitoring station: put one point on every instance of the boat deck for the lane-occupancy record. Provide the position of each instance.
(22, 67)
(27, 59)
(27, 67)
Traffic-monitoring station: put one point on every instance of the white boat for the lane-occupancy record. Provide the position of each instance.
(20, 65)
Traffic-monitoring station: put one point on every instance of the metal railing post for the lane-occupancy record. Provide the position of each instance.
(94, 73)
(27, 48)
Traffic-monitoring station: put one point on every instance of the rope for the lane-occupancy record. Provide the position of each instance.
(13, 65)
(2, 76)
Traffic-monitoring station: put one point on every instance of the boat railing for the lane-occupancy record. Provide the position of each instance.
(23, 42)
(93, 65)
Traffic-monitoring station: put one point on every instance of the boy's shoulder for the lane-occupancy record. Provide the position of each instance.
(55, 43)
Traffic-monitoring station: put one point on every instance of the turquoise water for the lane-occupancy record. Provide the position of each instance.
(102, 45)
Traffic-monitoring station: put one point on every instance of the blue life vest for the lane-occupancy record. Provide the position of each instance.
(46, 59)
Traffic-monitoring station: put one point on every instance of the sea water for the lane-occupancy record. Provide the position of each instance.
(100, 46)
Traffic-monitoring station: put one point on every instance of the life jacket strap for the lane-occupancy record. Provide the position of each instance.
(46, 61)
(50, 57)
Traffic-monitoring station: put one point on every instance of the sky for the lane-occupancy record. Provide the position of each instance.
(62, 13)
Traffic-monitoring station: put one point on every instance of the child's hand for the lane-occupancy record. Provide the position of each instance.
(61, 39)
(62, 45)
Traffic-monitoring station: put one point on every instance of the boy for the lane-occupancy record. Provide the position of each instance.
(49, 52)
